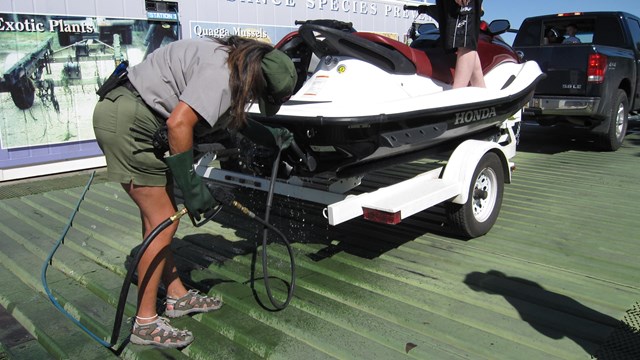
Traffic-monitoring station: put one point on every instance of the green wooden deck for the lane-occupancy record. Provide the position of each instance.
(550, 281)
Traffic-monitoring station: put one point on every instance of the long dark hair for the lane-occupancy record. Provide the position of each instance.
(246, 79)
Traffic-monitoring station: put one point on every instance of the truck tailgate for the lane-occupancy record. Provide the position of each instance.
(565, 66)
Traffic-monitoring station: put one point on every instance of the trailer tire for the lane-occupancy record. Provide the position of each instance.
(23, 93)
(618, 121)
(64, 39)
(476, 217)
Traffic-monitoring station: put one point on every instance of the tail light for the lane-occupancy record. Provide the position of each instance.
(383, 217)
(597, 68)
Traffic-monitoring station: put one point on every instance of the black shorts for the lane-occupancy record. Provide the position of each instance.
(459, 29)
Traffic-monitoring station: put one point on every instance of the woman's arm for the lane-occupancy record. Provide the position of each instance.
(180, 126)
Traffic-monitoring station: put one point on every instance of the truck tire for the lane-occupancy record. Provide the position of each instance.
(23, 93)
(618, 120)
(476, 217)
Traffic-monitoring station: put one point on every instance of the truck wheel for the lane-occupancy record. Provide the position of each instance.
(476, 217)
(618, 121)
(23, 93)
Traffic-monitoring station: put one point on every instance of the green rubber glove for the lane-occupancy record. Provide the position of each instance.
(197, 198)
(266, 135)
(283, 136)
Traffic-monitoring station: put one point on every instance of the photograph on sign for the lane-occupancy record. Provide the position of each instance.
(52, 67)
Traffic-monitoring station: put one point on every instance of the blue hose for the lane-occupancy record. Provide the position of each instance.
(125, 285)
(49, 260)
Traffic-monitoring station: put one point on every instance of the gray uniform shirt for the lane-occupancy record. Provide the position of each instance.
(193, 71)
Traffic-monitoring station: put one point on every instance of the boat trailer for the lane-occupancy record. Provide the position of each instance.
(470, 184)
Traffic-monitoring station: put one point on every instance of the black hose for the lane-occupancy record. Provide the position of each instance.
(132, 268)
(227, 198)
(267, 227)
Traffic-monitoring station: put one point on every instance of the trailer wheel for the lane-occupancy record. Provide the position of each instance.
(23, 93)
(618, 121)
(480, 212)
(64, 39)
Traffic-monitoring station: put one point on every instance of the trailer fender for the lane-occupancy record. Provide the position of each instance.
(465, 159)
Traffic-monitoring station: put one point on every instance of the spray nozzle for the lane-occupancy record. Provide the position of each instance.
(220, 194)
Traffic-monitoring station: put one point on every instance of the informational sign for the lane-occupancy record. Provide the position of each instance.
(51, 67)
(267, 33)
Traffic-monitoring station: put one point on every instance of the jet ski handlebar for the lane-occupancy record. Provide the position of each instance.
(421, 9)
(330, 23)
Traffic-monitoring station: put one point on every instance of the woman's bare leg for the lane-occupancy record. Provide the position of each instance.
(468, 69)
(477, 77)
(156, 264)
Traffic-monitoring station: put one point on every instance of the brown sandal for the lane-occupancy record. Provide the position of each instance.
(160, 333)
(192, 302)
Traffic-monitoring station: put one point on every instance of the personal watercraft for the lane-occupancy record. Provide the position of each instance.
(363, 98)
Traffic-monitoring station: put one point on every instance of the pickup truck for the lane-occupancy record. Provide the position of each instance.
(592, 63)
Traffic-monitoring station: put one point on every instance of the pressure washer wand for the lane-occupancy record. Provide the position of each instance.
(226, 198)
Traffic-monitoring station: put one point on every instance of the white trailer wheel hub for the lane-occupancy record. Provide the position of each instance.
(484, 194)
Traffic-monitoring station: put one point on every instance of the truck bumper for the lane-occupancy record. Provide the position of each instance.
(565, 106)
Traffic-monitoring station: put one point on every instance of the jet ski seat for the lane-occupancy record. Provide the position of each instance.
(433, 63)
(418, 58)
(326, 41)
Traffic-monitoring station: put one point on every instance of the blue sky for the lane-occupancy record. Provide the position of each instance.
(517, 10)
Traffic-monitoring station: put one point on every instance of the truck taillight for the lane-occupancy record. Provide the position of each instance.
(597, 68)
(570, 14)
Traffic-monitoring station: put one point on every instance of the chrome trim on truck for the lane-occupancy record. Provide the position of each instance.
(562, 106)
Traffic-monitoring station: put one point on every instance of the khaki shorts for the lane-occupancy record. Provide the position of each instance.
(130, 155)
